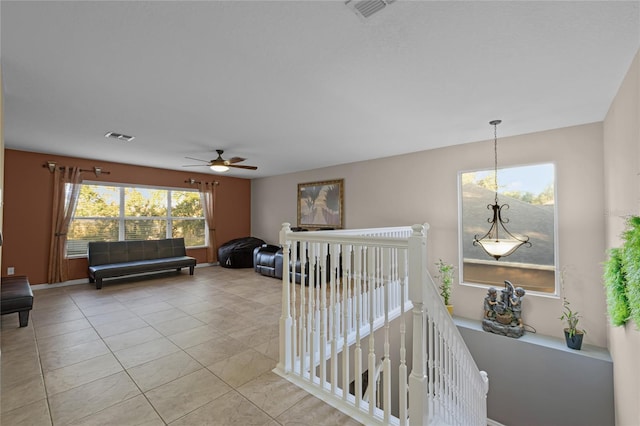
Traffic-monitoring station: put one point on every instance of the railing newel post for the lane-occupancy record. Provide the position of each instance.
(418, 407)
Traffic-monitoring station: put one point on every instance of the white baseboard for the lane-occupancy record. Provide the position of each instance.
(493, 423)
(56, 285)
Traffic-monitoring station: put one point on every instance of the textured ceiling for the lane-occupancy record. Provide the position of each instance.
(297, 85)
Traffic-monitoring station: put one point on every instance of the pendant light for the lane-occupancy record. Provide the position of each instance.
(498, 241)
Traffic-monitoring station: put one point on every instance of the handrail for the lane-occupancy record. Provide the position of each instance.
(355, 286)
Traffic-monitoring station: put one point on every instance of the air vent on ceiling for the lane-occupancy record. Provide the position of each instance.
(119, 136)
(366, 8)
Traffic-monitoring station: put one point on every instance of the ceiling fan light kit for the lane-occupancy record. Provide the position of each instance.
(219, 168)
(491, 242)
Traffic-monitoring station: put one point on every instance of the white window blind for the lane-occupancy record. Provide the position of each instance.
(121, 213)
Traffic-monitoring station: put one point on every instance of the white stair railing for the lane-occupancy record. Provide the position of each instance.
(360, 293)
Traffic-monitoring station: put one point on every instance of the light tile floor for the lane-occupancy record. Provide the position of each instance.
(163, 349)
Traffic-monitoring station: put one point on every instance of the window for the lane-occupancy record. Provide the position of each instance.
(530, 193)
(121, 213)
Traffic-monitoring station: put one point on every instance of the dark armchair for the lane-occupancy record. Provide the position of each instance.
(268, 260)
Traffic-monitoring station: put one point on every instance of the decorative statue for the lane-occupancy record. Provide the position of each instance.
(490, 301)
(504, 316)
(516, 305)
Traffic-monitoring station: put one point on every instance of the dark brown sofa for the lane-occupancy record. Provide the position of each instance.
(120, 258)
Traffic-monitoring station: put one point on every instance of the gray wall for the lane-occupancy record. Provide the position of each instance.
(423, 187)
(537, 380)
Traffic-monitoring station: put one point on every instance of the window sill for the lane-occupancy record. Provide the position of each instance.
(529, 292)
(79, 256)
(548, 342)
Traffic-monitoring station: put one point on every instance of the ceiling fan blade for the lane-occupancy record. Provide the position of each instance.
(197, 159)
(234, 160)
(221, 162)
(238, 166)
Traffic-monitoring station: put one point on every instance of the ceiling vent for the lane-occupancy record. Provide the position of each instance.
(119, 136)
(366, 8)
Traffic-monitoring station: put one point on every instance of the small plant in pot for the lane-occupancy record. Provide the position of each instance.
(445, 276)
(572, 334)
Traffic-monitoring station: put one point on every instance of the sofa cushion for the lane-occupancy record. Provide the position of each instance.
(140, 266)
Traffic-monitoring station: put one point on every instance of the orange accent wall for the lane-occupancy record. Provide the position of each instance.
(28, 200)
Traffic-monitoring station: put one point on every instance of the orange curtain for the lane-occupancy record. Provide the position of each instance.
(66, 187)
(208, 199)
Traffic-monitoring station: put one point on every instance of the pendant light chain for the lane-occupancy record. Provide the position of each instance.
(495, 156)
(491, 242)
(495, 123)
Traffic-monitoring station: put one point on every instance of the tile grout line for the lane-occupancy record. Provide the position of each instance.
(237, 298)
(123, 369)
(44, 381)
(108, 348)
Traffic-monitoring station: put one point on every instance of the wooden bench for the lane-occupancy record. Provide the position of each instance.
(16, 296)
(119, 258)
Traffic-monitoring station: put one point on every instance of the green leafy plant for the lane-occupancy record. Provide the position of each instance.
(446, 272)
(616, 288)
(622, 277)
(631, 266)
(569, 316)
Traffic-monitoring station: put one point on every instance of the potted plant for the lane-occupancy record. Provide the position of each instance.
(572, 334)
(445, 276)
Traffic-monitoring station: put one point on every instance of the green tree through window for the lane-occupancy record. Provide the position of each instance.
(188, 217)
(115, 213)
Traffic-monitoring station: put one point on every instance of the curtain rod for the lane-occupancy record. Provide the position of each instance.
(193, 181)
(51, 165)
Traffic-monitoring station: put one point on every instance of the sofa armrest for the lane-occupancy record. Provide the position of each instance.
(278, 265)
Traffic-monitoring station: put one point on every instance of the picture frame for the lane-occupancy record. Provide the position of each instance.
(320, 204)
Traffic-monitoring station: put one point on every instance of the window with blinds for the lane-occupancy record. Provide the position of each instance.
(122, 213)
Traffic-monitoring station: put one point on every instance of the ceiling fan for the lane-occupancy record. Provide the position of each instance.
(220, 164)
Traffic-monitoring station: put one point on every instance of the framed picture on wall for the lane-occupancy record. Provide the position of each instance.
(320, 204)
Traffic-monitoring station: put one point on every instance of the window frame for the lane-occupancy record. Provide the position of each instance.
(121, 218)
(556, 243)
